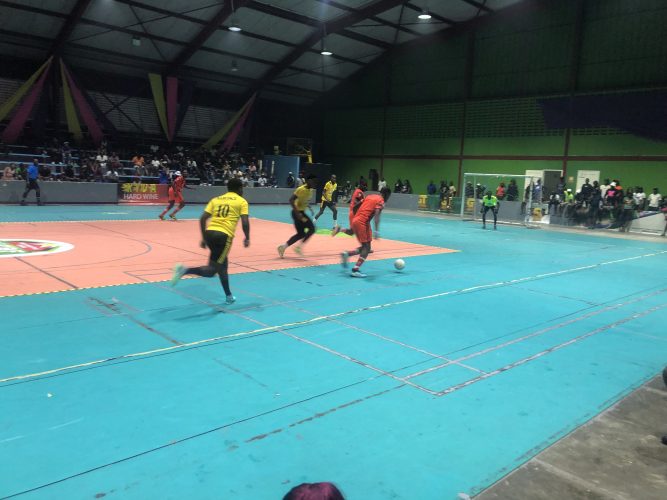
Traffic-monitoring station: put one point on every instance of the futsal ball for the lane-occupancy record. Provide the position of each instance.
(399, 264)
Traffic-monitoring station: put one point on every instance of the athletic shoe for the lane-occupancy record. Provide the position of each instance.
(298, 250)
(230, 299)
(335, 230)
(343, 259)
(357, 274)
(179, 271)
(172, 217)
(281, 250)
(161, 217)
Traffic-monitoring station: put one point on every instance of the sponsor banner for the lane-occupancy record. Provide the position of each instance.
(30, 248)
(137, 193)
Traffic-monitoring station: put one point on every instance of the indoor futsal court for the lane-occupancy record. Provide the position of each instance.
(431, 382)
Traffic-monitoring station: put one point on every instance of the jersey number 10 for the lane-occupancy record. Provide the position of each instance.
(223, 211)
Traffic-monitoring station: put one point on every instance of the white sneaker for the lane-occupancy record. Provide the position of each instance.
(357, 274)
(281, 250)
(343, 259)
(230, 299)
(179, 271)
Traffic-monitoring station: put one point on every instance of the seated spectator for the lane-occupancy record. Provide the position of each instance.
(111, 176)
(114, 162)
(8, 173)
(314, 491)
(138, 162)
(398, 186)
(407, 188)
(500, 191)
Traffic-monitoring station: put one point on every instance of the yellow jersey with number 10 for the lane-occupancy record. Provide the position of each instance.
(226, 210)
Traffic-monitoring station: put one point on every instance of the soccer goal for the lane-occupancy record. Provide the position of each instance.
(515, 206)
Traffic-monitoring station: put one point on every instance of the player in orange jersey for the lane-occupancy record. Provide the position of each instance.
(175, 195)
(369, 209)
(355, 202)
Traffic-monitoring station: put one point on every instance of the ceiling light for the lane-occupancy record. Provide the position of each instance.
(234, 27)
(326, 52)
(136, 41)
(424, 15)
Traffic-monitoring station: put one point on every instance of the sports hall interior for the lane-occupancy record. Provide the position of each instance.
(523, 361)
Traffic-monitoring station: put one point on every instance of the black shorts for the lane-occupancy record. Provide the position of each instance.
(330, 204)
(32, 184)
(219, 244)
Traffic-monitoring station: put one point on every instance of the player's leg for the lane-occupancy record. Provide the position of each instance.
(169, 207)
(222, 268)
(181, 204)
(322, 205)
(28, 187)
(216, 241)
(299, 225)
(38, 193)
(333, 208)
(495, 217)
(363, 255)
(484, 210)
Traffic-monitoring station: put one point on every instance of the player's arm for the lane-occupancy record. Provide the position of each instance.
(245, 225)
(203, 222)
(376, 218)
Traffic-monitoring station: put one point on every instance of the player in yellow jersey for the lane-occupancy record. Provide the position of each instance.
(329, 200)
(218, 225)
(304, 226)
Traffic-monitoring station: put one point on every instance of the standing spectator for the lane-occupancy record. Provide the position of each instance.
(640, 198)
(512, 191)
(537, 191)
(114, 162)
(431, 188)
(654, 200)
(560, 187)
(586, 191)
(362, 183)
(31, 182)
(628, 211)
(381, 185)
(290, 180)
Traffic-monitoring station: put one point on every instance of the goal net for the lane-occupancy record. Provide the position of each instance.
(517, 198)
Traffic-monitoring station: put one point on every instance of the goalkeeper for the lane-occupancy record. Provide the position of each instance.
(489, 202)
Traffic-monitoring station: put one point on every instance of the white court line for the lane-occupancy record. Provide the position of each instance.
(535, 334)
(549, 350)
(327, 317)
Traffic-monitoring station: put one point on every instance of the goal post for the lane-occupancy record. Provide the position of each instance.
(516, 206)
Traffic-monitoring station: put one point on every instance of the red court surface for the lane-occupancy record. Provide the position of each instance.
(124, 252)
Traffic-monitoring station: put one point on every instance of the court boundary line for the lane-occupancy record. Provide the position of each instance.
(540, 332)
(555, 348)
(318, 319)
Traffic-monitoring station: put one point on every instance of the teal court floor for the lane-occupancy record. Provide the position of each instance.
(421, 384)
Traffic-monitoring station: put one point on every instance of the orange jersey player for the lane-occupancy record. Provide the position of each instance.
(370, 209)
(355, 202)
(175, 195)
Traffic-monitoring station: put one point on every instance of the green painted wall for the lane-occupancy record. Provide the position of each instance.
(409, 106)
